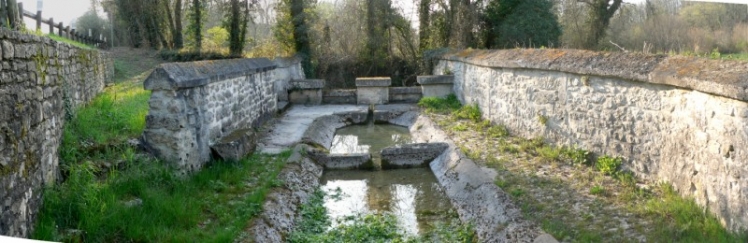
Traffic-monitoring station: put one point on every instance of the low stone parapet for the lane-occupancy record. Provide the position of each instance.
(306, 91)
(196, 104)
(339, 96)
(405, 94)
(373, 90)
(436, 85)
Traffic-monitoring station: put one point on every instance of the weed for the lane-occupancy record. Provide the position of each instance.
(173, 208)
(497, 131)
(460, 127)
(470, 112)
(608, 165)
(576, 156)
(597, 190)
(440, 105)
(543, 120)
(549, 153)
(517, 192)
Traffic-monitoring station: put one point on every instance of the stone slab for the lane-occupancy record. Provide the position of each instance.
(385, 113)
(287, 130)
(322, 130)
(307, 84)
(236, 145)
(373, 82)
(368, 95)
(411, 155)
(172, 76)
(435, 79)
(358, 161)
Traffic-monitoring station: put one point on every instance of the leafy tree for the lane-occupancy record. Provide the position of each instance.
(292, 30)
(599, 15)
(196, 19)
(526, 23)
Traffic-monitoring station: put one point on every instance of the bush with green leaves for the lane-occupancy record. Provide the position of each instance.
(608, 165)
(521, 23)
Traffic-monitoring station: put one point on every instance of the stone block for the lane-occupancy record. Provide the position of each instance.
(411, 155)
(306, 91)
(373, 90)
(360, 161)
(436, 85)
(322, 130)
(236, 145)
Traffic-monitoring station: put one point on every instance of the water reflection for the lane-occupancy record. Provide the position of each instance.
(368, 138)
(412, 195)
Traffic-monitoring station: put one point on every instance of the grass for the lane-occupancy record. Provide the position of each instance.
(99, 131)
(71, 42)
(141, 199)
(213, 205)
(575, 198)
(314, 226)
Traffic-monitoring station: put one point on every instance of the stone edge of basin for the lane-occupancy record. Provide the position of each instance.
(411, 155)
(474, 194)
(725, 78)
(172, 76)
(280, 210)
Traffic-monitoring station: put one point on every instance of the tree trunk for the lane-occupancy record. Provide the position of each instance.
(301, 35)
(424, 10)
(601, 11)
(197, 8)
(170, 19)
(178, 39)
(235, 45)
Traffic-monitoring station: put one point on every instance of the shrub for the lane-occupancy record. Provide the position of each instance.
(608, 165)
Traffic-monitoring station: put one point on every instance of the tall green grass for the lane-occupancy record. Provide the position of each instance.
(213, 205)
(71, 42)
(100, 130)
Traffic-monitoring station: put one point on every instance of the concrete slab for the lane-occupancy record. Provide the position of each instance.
(288, 129)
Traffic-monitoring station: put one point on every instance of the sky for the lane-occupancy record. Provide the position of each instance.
(61, 10)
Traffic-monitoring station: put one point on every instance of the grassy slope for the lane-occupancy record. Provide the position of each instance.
(213, 205)
(575, 198)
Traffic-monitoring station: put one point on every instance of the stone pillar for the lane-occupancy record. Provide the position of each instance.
(436, 85)
(373, 90)
(306, 91)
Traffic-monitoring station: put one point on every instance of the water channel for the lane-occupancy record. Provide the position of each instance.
(413, 195)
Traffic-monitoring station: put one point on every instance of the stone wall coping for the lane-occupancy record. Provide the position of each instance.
(172, 76)
(373, 82)
(307, 84)
(725, 78)
(435, 79)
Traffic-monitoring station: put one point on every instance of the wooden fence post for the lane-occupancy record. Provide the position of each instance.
(3, 13)
(39, 20)
(51, 26)
(60, 27)
(19, 17)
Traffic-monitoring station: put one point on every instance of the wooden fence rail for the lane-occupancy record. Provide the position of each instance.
(10, 19)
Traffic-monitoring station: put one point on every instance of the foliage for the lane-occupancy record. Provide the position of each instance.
(440, 105)
(682, 220)
(608, 165)
(191, 55)
(91, 21)
(212, 205)
(521, 23)
(576, 156)
(216, 38)
(196, 16)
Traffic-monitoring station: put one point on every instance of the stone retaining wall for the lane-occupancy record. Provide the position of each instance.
(682, 120)
(195, 104)
(41, 83)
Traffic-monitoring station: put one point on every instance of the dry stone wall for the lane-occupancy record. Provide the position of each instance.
(676, 119)
(41, 83)
(193, 105)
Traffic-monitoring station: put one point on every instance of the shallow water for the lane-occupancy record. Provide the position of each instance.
(413, 195)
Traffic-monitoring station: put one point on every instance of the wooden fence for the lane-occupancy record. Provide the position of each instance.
(10, 18)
